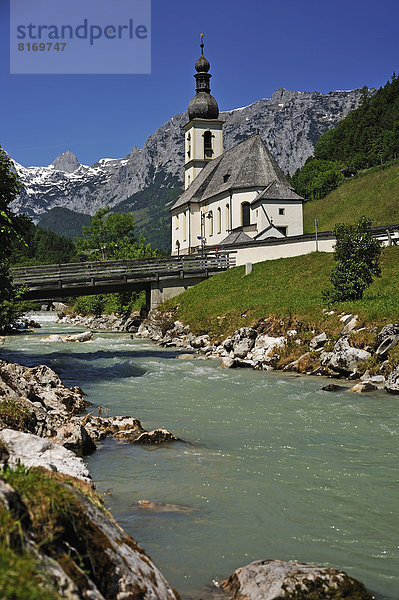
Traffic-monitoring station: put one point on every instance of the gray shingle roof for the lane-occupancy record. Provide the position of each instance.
(235, 237)
(277, 191)
(249, 164)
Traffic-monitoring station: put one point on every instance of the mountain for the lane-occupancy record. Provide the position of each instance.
(290, 122)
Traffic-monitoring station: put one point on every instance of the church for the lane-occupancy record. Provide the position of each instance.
(231, 197)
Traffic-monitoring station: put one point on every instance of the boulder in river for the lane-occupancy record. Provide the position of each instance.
(85, 336)
(280, 580)
(53, 338)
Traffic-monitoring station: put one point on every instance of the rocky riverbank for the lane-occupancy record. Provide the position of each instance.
(129, 323)
(34, 400)
(357, 353)
(368, 355)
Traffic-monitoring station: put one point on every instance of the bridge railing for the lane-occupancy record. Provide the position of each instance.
(119, 268)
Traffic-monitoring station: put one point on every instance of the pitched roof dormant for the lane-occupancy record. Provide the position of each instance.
(247, 165)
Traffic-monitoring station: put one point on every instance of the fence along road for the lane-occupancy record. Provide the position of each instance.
(100, 277)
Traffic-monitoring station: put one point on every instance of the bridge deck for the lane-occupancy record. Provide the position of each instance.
(74, 279)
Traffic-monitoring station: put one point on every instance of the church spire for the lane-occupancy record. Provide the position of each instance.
(203, 105)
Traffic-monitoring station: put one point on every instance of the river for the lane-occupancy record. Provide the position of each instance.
(273, 467)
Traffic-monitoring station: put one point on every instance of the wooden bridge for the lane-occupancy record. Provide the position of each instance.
(161, 277)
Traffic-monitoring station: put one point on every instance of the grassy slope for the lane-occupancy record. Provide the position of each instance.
(288, 288)
(375, 195)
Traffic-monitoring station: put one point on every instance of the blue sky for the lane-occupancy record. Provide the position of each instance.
(254, 48)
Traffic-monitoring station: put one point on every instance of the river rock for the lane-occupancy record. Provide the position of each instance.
(33, 451)
(242, 341)
(263, 348)
(185, 357)
(378, 380)
(344, 359)
(201, 341)
(54, 338)
(363, 387)
(120, 427)
(333, 387)
(279, 580)
(392, 383)
(156, 436)
(85, 336)
(227, 362)
(150, 330)
(75, 437)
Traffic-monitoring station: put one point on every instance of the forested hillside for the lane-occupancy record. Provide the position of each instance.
(41, 246)
(64, 221)
(366, 137)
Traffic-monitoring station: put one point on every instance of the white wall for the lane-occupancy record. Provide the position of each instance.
(283, 249)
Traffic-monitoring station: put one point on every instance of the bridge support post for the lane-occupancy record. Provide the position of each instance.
(148, 295)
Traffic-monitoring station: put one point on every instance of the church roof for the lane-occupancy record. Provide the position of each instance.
(247, 165)
(277, 191)
(235, 237)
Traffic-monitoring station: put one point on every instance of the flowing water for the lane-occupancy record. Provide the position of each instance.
(273, 467)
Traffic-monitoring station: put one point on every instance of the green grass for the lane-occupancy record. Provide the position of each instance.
(375, 195)
(287, 289)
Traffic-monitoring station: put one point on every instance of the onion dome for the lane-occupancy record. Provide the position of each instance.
(203, 105)
(202, 65)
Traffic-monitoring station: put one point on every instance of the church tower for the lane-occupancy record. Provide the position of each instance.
(203, 132)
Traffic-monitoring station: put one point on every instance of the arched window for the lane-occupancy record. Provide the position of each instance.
(177, 222)
(208, 144)
(210, 217)
(189, 145)
(227, 217)
(219, 221)
(184, 227)
(245, 214)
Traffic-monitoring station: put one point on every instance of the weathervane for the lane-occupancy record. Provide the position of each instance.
(202, 44)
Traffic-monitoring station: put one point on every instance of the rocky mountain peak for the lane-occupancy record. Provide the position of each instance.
(66, 162)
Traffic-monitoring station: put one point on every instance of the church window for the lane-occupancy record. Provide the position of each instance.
(189, 145)
(177, 222)
(184, 227)
(210, 217)
(245, 214)
(227, 217)
(219, 222)
(208, 144)
(281, 211)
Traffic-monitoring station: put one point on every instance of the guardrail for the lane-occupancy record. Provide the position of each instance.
(89, 272)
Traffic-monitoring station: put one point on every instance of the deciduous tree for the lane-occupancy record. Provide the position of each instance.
(357, 256)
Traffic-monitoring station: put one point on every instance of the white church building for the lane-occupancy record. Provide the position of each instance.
(231, 197)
